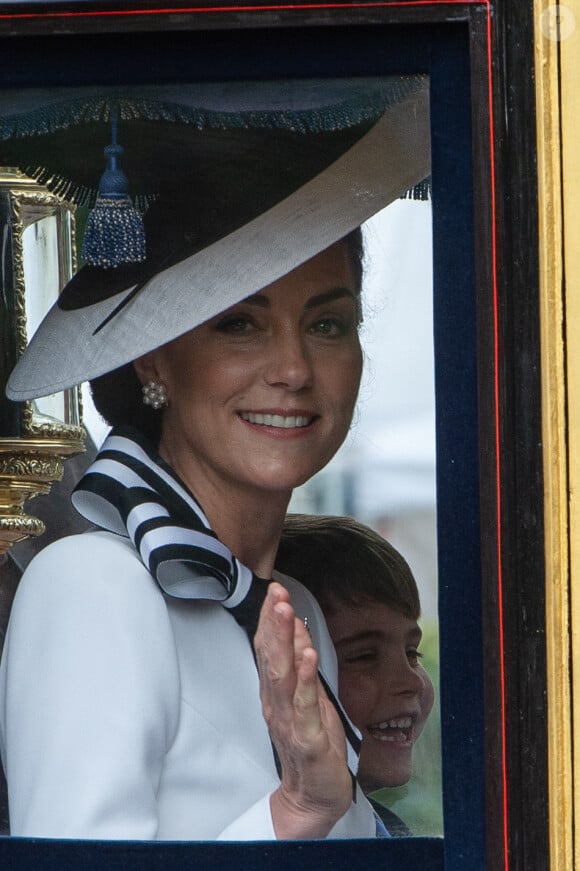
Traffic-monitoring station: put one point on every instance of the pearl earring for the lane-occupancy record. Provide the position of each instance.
(154, 394)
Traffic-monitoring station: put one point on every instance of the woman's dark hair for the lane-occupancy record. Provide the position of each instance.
(118, 397)
(119, 400)
(355, 244)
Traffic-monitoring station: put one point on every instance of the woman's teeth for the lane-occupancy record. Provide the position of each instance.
(278, 420)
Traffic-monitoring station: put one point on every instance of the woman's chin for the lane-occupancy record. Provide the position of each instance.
(281, 476)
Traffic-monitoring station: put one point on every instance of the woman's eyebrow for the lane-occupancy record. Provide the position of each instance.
(258, 299)
(263, 301)
(329, 296)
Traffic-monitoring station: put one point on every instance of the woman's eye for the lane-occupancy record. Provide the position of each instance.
(235, 324)
(330, 327)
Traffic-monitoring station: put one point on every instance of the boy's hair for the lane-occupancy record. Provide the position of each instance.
(342, 561)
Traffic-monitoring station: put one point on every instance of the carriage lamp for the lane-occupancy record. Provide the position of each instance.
(37, 258)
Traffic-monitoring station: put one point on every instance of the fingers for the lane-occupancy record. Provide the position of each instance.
(276, 605)
(287, 663)
(275, 654)
(294, 703)
(274, 639)
(307, 690)
(315, 787)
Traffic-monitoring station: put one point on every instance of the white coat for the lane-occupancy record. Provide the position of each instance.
(128, 714)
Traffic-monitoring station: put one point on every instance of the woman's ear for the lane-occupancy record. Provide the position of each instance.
(146, 368)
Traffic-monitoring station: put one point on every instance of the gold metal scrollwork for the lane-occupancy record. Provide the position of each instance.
(30, 463)
(28, 468)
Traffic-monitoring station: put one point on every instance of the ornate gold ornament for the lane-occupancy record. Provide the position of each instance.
(28, 467)
(37, 436)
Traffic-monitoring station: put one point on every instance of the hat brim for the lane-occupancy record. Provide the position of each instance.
(386, 162)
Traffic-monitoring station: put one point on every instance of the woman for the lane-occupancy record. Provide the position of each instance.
(132, 706)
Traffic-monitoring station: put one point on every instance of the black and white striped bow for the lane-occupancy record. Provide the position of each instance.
(131, 491)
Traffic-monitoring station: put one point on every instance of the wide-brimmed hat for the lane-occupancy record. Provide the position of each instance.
(268, 176)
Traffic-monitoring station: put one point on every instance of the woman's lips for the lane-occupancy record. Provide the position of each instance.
(278, 421)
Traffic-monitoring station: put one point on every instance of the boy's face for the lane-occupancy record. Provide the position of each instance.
(385, 690)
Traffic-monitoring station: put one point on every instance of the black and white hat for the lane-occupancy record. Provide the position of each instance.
(263, 178)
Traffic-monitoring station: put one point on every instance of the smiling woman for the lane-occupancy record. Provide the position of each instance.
(237, 386)
(239, 333)
(307, 319)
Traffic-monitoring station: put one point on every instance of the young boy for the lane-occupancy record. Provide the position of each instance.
(371, 604)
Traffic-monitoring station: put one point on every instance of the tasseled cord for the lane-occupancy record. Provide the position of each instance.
(114, 233)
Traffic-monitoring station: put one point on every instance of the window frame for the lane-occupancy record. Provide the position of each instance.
(493, 805)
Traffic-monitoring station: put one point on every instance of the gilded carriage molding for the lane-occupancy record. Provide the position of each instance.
(557, 65)
(53, 431)
(30, 201)
(569, 65)
(31, 460)
(14, 529)
(25, 471)
(28, 468)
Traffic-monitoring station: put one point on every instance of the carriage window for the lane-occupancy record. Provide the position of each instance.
(410, 467)
(385, 473)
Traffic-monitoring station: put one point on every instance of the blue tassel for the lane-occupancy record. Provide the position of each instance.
(114, 233)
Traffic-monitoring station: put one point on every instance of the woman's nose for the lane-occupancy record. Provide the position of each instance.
(288, 364)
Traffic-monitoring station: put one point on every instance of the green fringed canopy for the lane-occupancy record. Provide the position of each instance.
(57, 135)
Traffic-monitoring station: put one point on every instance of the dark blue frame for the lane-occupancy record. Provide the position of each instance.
(443, 51)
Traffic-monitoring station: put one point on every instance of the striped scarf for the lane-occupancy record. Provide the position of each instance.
(131, 491)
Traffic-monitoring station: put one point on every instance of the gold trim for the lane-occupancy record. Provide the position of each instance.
(40, 202)
(18, 276)
(25, 466)
(54, 432)
(28, 468)
(61, 447)
(30, 201)
(15, 529)
(570, 126)
(29, 465)
(557, 67)
(13, 177)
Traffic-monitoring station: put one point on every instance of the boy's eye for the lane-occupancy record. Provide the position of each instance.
(414, 655)
(361, 657)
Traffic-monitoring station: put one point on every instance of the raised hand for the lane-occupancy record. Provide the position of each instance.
(316, 786)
